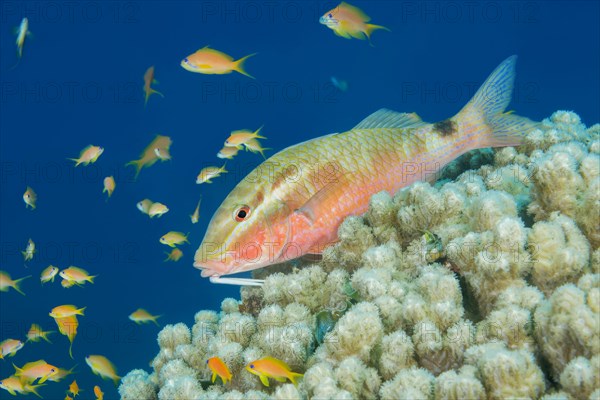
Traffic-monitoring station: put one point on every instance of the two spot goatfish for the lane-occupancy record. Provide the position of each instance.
(269, 218)
(349, 22)
(211, 61)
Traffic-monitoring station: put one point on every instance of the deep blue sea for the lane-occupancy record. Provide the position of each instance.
(80, 80)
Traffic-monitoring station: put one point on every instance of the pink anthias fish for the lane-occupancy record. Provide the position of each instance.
(293, 203)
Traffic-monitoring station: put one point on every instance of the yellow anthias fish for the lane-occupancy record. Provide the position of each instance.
(157, 210)
(61, 374)
(6, 282)
(296, 206)
(9, 347)
(29, 250)
(228, 152)
(13, 385)
(48, 274)
(211, 61)
(88, 155)
(144, 205)
(32, 371)
(220, 369)
(68, 326)
(30, 198)
(196, 215)
(174, 255)
(254, 146)
(173, 238)
(101, 366)
(239, 137)
(109, 185)
(141, 316)
(149, 80)
(208, 173)
(148, 156)
(22, 32)
(79, 276)
(349, 22)
(99, 393)
(36, 333)
(269, 367)
(74, 388)
(67, 310)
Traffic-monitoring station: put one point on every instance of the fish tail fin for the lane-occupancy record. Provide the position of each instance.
(256, 133)
(45, 336)
(293, 376)
(90, 279)
(116, 380)
(485, 111)
(370, 28)
(138, 166)
(17, 286)
(71, 348)
(239, 65)
(155, 318)
(154, 91)
(33, 389)
(76, 160)
(81, 310)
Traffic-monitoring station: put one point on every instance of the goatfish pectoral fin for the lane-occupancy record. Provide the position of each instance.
(322, 199)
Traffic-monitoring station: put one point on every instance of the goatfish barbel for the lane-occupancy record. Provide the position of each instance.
(293, 203)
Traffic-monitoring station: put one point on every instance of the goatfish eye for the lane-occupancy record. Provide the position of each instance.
(242, 213)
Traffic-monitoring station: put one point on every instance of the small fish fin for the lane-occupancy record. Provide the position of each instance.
(154, 91)
(70, 350)
(214, 377)
(33, 389)
(18, 371)
(138, 166)
(293, 376)
(11, 391)
(280, 378)
(310, 208)
(154, 318)
(239, 65)
(341, 32)
(90, 279)
(18, 282)
(264, 380)
(76, 160)
(371, 28)
(256, 133)
(486, 109)
(116, 380)
(385, 118)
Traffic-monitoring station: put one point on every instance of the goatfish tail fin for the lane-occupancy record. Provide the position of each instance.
(239, 65)
(484, 114)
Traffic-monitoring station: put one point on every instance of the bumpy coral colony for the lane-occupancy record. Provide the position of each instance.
(485, 285)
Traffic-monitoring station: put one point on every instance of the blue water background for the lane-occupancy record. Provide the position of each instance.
(80, 83)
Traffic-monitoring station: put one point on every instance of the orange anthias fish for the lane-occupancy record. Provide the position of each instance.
(102, 366)
(239, 137)
(269, 367)
(66, 310)
(14, 385)
(74, 388)
(30, 198)
(219, 368)
(295, 206)
(68, 326)
(99, 393)
(141, 316)
(36, 333)
(9, 347)
(32, 371)
(109, 185)
(175, 255)
(148, 156)
(211, 61)
(349, 22)
(149, 80)
(88, 155)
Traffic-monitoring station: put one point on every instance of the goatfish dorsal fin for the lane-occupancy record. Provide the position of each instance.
(385, 118)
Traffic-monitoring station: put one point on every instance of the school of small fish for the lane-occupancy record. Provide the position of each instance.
(306, 214)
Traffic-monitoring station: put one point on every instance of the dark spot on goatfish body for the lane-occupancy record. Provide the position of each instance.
(446, 127)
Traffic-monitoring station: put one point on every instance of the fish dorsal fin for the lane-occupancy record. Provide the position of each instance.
(385, 118)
